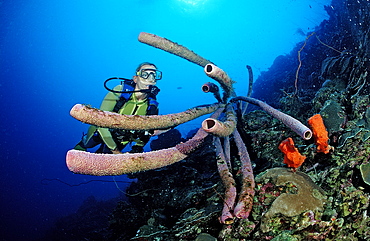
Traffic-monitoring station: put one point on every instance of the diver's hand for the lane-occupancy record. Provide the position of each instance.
(116, 151)
(158, 132)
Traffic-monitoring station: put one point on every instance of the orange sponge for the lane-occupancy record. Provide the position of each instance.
(319, 133)
(292, 157)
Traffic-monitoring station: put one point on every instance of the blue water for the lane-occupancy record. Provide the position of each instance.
(54, 54)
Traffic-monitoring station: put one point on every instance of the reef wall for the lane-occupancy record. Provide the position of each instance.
(183, 201)
(343, 34)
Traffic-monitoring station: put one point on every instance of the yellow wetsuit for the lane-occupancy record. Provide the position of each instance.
(131, 107)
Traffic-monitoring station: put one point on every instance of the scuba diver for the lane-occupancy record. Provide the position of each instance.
(131, 97)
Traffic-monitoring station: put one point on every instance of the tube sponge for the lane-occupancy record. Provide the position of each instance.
(108, 119)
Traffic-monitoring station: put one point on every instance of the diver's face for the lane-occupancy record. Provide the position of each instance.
(142, 83)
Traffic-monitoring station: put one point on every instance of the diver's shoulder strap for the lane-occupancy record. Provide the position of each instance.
(128, 87)
(152, 106)
(110, 99)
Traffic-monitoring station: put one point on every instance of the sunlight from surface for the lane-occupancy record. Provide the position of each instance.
(191, 6)
(193, 2)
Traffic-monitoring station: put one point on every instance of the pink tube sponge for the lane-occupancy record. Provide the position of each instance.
(108, 119)
(218, 128)
(82, 162)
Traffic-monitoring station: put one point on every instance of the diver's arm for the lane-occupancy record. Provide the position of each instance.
(106, 136)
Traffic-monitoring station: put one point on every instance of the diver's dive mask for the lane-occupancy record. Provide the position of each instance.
(145, 73)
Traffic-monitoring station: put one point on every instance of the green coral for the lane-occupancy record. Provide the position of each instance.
(285, 236)
(333, 115)
(365, 172)
(353, 201)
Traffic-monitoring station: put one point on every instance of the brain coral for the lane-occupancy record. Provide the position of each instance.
(309, 196)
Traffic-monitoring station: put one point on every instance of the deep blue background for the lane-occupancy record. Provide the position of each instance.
(54, 54)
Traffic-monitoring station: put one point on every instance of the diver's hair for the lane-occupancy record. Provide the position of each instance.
(142, 64)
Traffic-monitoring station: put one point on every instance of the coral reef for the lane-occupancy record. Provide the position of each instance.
(327, 199)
